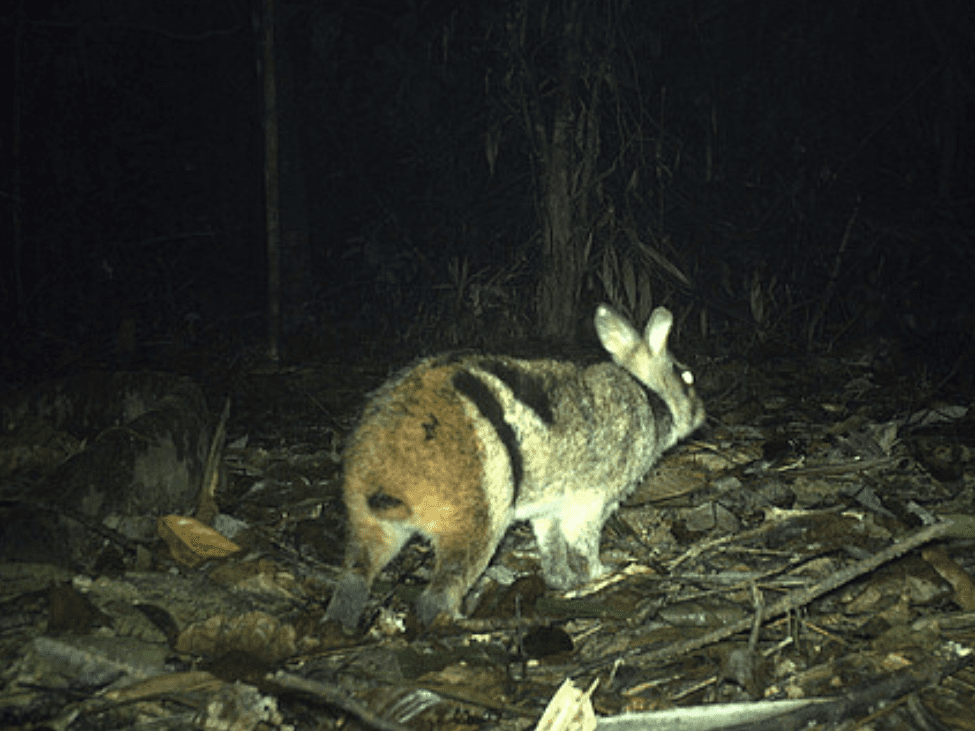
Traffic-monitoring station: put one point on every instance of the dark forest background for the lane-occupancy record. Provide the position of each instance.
(785, 176)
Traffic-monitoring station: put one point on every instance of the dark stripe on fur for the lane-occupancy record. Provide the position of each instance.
(491, 409)
(663, 419)
(382, 501)
(526, 387)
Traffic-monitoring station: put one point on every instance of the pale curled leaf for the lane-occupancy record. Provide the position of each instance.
(569, 710)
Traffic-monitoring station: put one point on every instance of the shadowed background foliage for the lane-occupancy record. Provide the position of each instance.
(787, 175)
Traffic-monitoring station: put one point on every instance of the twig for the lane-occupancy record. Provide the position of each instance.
(206, 509)
(281, 681)
(834, 276)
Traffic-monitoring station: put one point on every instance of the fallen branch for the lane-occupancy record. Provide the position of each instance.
(788, 603)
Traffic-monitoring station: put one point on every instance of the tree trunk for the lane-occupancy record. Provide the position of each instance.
(568, 162)
(558, 288)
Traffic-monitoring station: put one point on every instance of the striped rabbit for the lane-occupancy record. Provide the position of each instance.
(457, 448)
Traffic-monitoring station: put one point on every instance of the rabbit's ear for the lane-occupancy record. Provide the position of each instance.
(615, 333)
(658, 330)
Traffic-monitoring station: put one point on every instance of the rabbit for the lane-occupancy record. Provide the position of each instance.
(459, 447)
